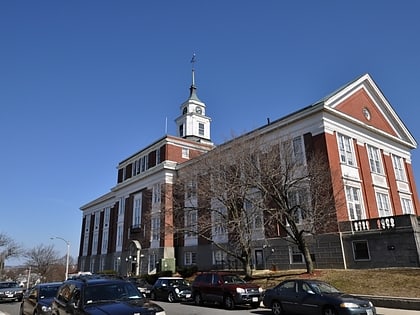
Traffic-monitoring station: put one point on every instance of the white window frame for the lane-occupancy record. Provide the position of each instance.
(105, 237)
(155, 229)
(354, 205)
(375, 160)
(407, 205)
(399, 170)
(190, 258)
(298, 150)
(107, 215)
(137, 209)
(295, 256)
(157, 194)
(185, 153)
(346, 150)
(120, 235)
(384, 205)
(201, 128)
(191, 219)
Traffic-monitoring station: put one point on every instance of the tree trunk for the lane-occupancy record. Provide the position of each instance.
(303, 246)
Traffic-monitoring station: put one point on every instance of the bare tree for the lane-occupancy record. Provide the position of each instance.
(43, 259)
(219, 204)
(297, 188)
(8, 249)
(251, 185)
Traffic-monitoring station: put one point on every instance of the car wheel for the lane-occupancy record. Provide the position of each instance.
(329, 311)
(171, 297)
(229, 303)
(276, 308)
(197, 299)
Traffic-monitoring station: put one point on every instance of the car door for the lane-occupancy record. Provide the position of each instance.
(286, 293)
(307, 301)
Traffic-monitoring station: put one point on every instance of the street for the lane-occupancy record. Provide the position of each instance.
(12, 308)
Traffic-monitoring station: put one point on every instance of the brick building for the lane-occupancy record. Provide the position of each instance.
(365, 141)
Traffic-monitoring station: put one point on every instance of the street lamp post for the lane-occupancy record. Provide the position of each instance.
(68, 254)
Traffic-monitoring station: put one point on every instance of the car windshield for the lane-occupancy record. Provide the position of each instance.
(232, 279)
(322, 287)
(5, 285)
(177, 282)
(48, 292)
(111, 291)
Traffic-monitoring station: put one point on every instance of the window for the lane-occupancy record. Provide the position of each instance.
(137, 207)
(383, 204)
(190, 258)
(95, 243)
(122, 207)
(104, 249)
(155, 231)
(296, 257)
(191, 223)
(298, 153)
(181, 130)
(156, 194)
(144, 163)
(219, 223)
(191, 190)
(345, 148)
(399, 170)
(107, 216)
(185, 153)
(97, 219)
(152, 262)
(201, 129)
(298, 203)
(354, 205)
(375, 160)
(158, 160)
(120, 232)
(361, 250)
(407, 205)
(219, 257)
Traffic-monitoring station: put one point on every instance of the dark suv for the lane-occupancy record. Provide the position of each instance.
(225, 288)
(100, 295)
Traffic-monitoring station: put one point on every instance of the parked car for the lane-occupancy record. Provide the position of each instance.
(38, 299)
(143, 286)
(10, 291)
(314, 297)
(171, 289)
(95, 295)
(225, 288)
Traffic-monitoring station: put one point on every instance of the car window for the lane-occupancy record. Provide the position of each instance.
(110, 291)
(232, 279)
(46, 292)
(322, 287)
(288, 286)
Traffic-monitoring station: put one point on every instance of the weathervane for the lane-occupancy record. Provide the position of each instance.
(193, 60)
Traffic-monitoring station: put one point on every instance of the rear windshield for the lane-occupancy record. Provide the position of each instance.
(5, 285)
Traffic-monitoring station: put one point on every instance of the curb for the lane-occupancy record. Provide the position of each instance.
(394, 302)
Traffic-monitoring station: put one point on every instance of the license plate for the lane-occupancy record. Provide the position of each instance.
(10, 295)
(187, 296)
(369, 312)
(254, 299)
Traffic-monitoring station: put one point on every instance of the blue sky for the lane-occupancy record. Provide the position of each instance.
(85, 84)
